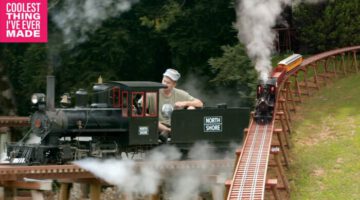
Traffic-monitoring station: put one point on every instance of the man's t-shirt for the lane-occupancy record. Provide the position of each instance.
(166, 104)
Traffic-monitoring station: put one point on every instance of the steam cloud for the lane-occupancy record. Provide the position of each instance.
(3, 157)
(77, 19)
(255, 19)
(145, 180)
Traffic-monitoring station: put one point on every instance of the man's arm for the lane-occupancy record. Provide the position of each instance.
(195, 103)
(162, 127)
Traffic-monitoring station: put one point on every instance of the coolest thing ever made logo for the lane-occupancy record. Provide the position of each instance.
(23, 21)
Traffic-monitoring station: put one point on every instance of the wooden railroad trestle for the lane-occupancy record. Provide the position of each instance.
(314, 72)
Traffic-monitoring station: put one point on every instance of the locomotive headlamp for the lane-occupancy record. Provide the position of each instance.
(38, 98)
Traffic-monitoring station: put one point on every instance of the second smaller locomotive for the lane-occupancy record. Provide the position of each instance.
(267, 90)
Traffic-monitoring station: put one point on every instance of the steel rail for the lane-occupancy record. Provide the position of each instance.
(249, 178)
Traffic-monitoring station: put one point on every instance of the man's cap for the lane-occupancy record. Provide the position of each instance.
(172, 74)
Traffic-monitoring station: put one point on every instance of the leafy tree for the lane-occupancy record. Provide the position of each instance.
(194, 31)
(328, 25)
(136, 45)
(32, 75)
(234, 69)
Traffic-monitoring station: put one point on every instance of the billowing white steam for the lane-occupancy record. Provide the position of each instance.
(255, 20)
(3, 157)
(77, 19)
(126, 176)
(189, 183)
(145, 179)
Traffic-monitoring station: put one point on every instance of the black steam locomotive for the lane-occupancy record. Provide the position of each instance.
(266, 90)
(117, 122)
(265, 101)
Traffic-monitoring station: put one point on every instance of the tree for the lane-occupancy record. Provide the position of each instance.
(194, 31)
(234, 69)
(327, 25)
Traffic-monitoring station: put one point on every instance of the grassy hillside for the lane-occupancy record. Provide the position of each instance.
(326, 144)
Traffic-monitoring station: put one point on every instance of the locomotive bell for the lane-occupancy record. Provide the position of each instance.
(65, 100)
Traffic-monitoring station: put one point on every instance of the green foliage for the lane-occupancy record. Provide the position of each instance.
(194, 31)
(166, 17)
(32, 75)
(235, 69)
(137, 45)
(328, 25)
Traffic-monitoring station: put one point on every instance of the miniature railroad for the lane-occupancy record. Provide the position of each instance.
(251, 178)
(265, 147)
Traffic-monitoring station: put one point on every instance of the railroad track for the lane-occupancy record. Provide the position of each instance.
(250, 176)
(13, 173)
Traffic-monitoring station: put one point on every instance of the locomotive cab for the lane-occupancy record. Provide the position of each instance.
(133, 98)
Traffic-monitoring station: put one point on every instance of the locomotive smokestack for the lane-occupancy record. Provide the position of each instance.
(50, 92)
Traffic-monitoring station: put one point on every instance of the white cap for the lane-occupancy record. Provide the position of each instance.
(172, 74)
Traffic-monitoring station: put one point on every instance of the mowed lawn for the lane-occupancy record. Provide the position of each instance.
(325, 158)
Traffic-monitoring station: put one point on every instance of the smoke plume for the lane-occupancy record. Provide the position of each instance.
(76, 19)
(145, 179)
(255, 20)
(126, 176)
(190, 183)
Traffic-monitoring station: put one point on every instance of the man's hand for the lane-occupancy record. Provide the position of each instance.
(181, 104)
(162, 127)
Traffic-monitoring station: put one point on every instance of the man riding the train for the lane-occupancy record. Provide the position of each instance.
(171, 98)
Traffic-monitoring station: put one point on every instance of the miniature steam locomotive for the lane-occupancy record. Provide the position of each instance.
(266, 91)
(116, 122)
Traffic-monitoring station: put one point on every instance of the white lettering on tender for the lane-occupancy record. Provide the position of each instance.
(213, 127)
(213, 124)
(212, 120)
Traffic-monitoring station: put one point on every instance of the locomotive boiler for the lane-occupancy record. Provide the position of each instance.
(116, 121)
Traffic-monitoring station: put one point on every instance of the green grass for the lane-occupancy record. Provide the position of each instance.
(326, 136)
